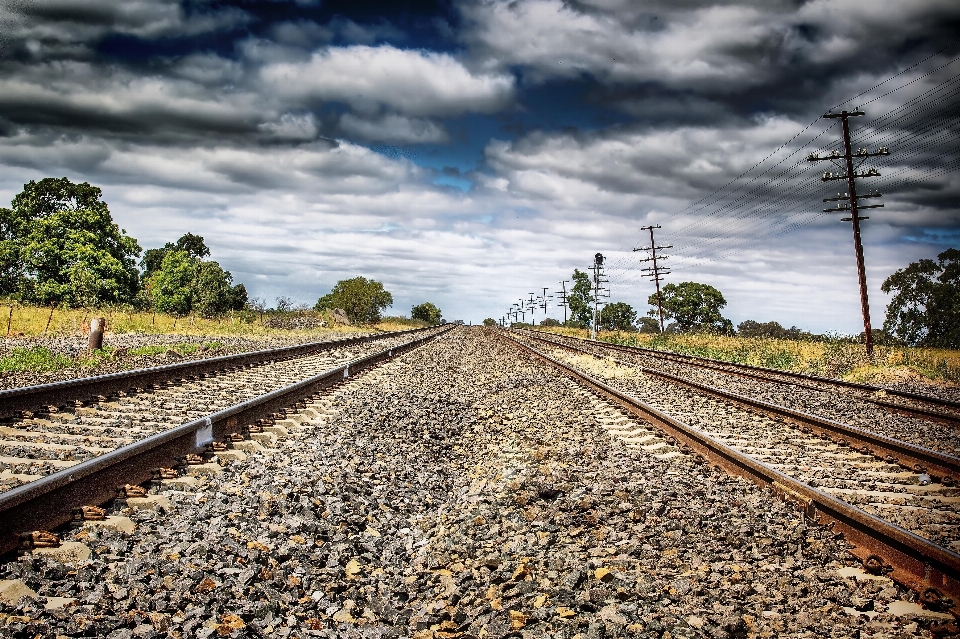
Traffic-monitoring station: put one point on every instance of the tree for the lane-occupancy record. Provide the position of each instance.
(580, 298)
(619, 316)
(489, 322)
(171, 287)
(693, 306)
(192, 245)
(770, 330)
(59, 245)
(648, 325)
(426, 312)
(361, 299)
(213, 290)
(925, 308)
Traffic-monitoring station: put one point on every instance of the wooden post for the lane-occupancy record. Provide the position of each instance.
(49, 318)
(95, 342)
(9, 320)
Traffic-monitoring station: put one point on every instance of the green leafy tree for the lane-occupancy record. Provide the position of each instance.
(648, 325)
(925, 308)
(489, 322)
(171, 287)
(770, 330)
(192, 245)
(580, 298)
(59, 245)
(618, 316)
(426, 312)
(185, 284)
(693, 306)
(212, 290)
(361, 299)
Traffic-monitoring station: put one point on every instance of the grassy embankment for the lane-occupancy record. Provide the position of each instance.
(831, 357)
(19, 321)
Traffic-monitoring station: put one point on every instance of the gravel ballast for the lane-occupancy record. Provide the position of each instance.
(73, 347)
(843, 407)
(463, 490)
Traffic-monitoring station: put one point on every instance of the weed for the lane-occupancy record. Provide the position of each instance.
(36, 359)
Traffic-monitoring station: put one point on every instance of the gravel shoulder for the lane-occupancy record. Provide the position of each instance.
(462, 490)
(73, 346)
(842, 407)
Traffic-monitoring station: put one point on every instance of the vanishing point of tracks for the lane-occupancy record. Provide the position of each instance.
(896, 501)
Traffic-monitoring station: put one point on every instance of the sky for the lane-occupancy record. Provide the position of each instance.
(472, 152)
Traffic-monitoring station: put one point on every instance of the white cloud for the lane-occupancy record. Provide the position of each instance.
(292, 127)
(718, 47)
(393, 129)
(415, 83)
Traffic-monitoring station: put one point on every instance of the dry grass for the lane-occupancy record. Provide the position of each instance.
(18, 320)
(830, 357)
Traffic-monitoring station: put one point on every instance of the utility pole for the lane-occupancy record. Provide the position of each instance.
(597, 269)
(656, 271)
(520, 308)
(531, 306)
(544, 299)
(852, 204)
(563, 299)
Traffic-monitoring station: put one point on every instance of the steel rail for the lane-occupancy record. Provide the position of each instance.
(24, 398)
(911, 560)
(916, 458)
(49, 502)
(797, 379)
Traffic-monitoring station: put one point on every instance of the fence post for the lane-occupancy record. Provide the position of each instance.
(95, 342)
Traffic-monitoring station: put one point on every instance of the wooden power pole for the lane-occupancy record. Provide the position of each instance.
(563, 299)
(850, 202)
(656, 272)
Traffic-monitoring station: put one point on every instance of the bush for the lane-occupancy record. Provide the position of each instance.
(489, 322)
(426, 312)
(551, 322)
(361, 299)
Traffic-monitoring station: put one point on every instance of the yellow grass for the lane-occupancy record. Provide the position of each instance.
(830, 357)
(18, 320)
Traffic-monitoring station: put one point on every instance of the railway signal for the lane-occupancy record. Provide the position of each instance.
(598, 274)
(852, 200)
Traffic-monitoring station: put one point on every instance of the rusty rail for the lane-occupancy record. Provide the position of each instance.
(909, 559)
(49, 502)
(868, 392)
(916, 458)
(62, 393)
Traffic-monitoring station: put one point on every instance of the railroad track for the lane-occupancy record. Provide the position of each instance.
(70, 446)
(866, 486)
(901, 402)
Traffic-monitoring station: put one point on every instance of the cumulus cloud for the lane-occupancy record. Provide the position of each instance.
(415, 83)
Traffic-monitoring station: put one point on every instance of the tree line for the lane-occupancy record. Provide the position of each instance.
(923, 311)
(59, 246)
